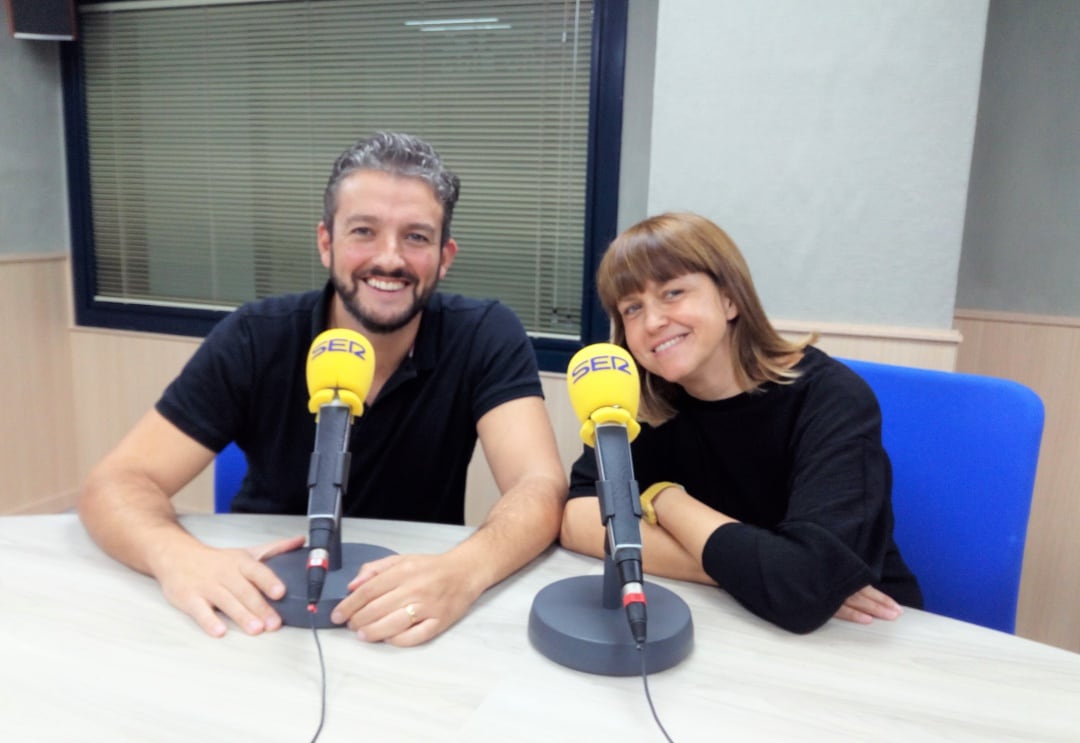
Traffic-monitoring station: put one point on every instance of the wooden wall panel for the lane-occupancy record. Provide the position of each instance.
(926, 348)
(37, 439)
(121, 376)
(1044, 354)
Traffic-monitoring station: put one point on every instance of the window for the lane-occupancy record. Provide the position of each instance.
(202, 134)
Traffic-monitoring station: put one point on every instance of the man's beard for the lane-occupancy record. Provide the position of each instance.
(349, 299)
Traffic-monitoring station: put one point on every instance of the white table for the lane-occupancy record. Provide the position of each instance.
(91, 651)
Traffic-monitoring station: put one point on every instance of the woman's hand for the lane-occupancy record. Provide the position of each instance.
(868, 604)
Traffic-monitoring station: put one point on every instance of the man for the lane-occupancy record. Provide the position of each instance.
(448, 369)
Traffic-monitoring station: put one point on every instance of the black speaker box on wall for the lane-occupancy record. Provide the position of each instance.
(48, 20)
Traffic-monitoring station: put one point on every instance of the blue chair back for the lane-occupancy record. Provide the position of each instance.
(230, 466)
(964, 449)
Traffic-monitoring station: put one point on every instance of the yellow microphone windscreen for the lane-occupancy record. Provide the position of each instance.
(602, 379)
(340, 363)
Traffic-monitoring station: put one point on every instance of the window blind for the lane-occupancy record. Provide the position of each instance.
(212, 128)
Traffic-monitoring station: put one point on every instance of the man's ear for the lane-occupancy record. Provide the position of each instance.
(446, 257)
(322, 239)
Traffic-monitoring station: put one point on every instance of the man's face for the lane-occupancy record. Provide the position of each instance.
(384, 259)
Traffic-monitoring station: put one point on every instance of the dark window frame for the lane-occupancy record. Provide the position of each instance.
(601, 202)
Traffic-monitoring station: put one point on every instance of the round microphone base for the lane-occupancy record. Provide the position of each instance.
(291, 567)
(569, 625)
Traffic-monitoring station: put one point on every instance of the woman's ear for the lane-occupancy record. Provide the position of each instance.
(730, 310)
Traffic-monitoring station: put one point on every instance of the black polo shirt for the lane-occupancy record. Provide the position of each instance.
(410, 448)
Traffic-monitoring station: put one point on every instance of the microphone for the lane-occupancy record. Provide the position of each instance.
(581, 621)
(340, 369)
(603, 383)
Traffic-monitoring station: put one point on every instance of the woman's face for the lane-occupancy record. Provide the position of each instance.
(678, 330)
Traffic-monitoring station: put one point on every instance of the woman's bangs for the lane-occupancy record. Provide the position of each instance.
(635, 263)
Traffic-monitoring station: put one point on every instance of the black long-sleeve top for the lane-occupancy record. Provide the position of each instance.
(802, 468)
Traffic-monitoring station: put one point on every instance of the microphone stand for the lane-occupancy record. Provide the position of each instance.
(328, 479)
(581, 622)
(291, 567)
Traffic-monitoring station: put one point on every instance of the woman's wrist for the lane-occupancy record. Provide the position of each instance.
(650, 496)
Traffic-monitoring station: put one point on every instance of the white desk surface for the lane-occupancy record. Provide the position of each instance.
(90, 651)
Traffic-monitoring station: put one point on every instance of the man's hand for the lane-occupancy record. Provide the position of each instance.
(868, 604)
(406, 600)
(200, 581)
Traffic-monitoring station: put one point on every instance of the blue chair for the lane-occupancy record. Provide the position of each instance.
(964, 449)
(230, 466)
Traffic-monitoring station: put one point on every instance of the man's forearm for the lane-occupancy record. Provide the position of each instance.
(129, 520)
(126, 502)
(521, 525)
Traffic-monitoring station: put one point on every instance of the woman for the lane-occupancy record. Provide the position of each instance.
(783, 487)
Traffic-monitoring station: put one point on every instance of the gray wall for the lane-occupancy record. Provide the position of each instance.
(1022, 238)
(832, 139)
(637, 112)
(33, 190)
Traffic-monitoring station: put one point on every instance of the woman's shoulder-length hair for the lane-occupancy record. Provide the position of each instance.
(666, 246)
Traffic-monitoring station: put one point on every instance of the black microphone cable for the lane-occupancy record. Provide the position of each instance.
(648, 696)
(322, 668)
